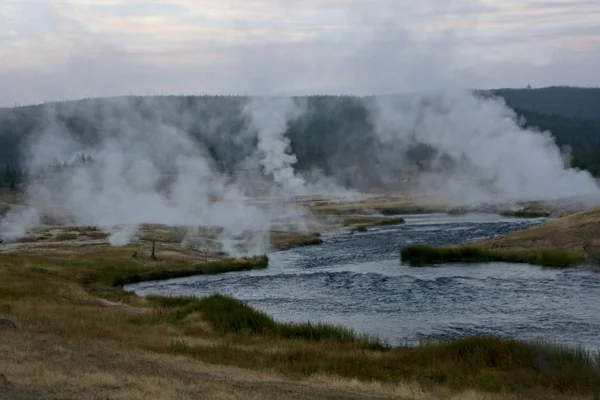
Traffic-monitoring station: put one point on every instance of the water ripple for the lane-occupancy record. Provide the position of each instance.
(358, 281)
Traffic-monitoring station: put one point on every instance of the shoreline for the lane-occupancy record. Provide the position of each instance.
(69, 307)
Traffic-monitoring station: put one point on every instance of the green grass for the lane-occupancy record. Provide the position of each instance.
(390, 221)
(405, 210)
(387, 211)
(228, 315)
(426, 255)
(311, 242)
(362, 224)
(217, 267)
(526, 214)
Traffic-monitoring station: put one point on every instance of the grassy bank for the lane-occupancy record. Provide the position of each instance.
(288, 240)
(384, 207)
(526, 214)
(74, 320)
(211, 268)
(364, 223)
(426, 255)
(567, 234)
(383, 210)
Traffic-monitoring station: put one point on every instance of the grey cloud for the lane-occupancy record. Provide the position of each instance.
(361, 47)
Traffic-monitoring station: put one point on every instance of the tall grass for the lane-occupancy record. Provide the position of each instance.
(228, 315)
(426, 255)
(483, 363)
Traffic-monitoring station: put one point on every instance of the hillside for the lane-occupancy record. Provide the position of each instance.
(334, 133)
(571, 102)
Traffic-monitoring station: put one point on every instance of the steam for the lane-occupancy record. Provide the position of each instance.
(16, 223)
(482, 153)
(149, 170)
(270, 118)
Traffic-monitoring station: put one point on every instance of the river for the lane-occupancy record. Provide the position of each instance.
(358, 281)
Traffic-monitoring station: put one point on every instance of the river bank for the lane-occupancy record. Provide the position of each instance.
(80, 335)
(563, 242)
(66, 312)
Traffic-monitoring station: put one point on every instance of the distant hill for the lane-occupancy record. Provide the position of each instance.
(332, 128)
(571, 102)
(577, 133)
(571, 114)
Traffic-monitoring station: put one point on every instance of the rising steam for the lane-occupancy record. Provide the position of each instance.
(480, 151)
(269, 121)
(148, 167)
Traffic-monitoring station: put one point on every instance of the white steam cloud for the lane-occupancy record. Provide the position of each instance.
(482, 152)
(270, 118)
(146, 169)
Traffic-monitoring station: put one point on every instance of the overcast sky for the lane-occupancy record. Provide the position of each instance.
(66, 49)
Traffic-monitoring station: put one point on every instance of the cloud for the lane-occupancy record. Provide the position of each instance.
(71, 48)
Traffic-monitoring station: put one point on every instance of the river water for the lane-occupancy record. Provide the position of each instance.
(358, 280)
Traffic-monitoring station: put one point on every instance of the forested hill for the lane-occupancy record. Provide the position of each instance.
(570, 102)
(571, 114)
(332, 127)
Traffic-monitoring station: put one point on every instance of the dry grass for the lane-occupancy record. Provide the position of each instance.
(567, 234)
(190, 243)
(40, 366)
(72, 344)
(80, 337)
(558, 242)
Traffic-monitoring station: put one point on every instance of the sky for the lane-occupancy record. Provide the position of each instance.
(68, 49)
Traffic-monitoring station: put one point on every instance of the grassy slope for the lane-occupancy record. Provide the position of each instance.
(79, 336)
(568, 234)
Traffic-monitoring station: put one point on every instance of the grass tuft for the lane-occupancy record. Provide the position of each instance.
(228, 315)
(426, 255)
(325, 332)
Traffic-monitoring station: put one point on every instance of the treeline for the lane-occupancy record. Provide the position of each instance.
(571, 114)
(564, 101)
(11, 177)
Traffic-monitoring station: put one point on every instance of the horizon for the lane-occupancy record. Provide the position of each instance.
(246, 96)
